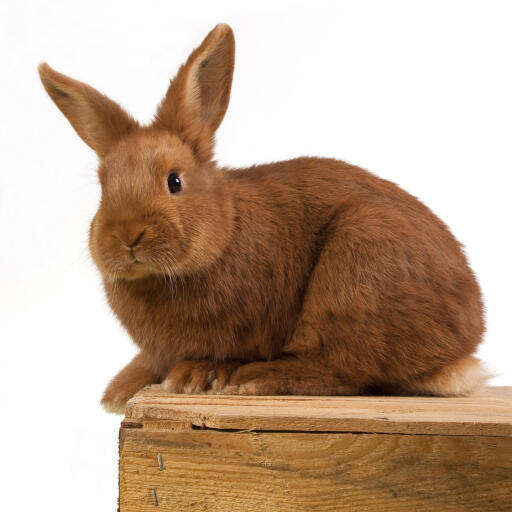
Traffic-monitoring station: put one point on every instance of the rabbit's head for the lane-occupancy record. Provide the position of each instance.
(165, 208)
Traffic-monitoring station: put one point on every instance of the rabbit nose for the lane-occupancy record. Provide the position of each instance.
(137, 240)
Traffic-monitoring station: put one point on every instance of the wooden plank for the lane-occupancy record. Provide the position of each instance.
(263, 471)
(488, 413)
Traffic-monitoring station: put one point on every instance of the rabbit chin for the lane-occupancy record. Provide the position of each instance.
(133, 271)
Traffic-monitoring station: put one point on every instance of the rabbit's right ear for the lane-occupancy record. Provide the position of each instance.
(198, 97)
(99, 121)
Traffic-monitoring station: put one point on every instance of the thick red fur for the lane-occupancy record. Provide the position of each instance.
(309, 276)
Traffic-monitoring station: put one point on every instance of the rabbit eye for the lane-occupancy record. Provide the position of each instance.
(173, 183)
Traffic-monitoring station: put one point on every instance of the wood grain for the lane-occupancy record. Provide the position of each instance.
(293, 453)
(487, 414)
(263, 471)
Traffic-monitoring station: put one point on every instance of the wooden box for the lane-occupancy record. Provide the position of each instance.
(244, 454)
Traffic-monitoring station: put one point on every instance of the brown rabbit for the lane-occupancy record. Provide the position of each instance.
(309, 276)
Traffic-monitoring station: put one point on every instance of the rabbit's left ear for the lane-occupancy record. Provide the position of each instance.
(99, 121)
(198, 97)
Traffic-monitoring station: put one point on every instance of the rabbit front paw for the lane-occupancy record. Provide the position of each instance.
(195, 377)
(132, 378)
(115, 398)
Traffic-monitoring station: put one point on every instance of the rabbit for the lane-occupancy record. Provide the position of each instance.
(305, 277)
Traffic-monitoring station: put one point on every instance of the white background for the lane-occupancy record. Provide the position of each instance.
(418, 92)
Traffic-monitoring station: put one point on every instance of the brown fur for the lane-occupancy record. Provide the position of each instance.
(309, 276)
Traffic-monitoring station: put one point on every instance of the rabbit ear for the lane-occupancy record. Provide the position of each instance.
(198, 97)
(99, 121)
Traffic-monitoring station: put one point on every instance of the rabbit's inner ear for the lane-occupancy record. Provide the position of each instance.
(212, 79)
(206, 79)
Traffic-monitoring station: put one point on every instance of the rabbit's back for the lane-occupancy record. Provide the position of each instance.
(399, 283)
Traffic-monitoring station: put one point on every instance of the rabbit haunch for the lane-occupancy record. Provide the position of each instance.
(309, 276)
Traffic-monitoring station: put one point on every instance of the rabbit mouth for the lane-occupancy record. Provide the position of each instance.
(135, 259)
(127, 266)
